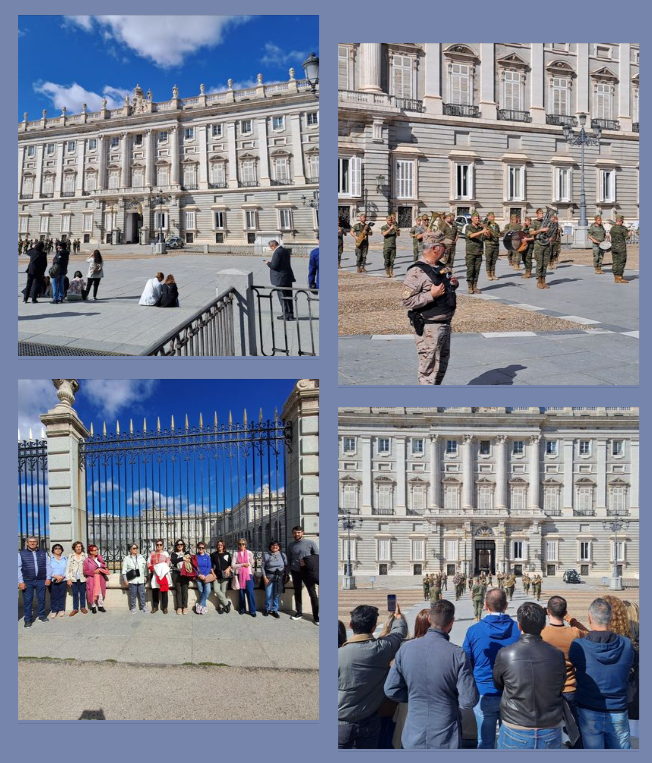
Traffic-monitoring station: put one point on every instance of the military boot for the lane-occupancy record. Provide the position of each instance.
(470, 287)
(599, 270)
(540, 283)
(527, 274)
(391, 271)
(543, 282)
(620, 279)
(359, 269)
(387, 273)
(475, 288)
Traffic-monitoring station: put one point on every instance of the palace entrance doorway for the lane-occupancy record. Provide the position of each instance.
(484, 557)
(133, 224)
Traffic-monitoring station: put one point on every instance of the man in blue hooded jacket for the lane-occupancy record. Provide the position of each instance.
(482, 643)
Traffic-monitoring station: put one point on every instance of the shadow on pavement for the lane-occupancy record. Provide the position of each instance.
(50, 315)
(504, 375)
(92, 715)
(500, 286)
(563, 280)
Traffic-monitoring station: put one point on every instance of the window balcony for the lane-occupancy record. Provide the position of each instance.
(584, 512)
(190, 187)
(552, 512)
(282, 181)
(348, 511)
(314, 180)
(218, 185)
(26, 195)
(635, 127)
(461, 110)
(382, 512)
(509, 115)
(560, 120)
(248, 184)
(67, 194)
(618, 512)
(46, 195)
(415, 512)
(606, 124)
(410, 104)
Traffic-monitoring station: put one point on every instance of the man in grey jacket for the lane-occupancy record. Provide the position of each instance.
(363, 664)
(435, 678)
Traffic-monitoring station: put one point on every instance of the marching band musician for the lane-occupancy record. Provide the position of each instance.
(541, 250)
(416, 234)
(597, 234)
(475, 233)
(362, 248)
(527, 254)
(389, 233)
(450, 234)
(491, 246)
(514, 257)
(340, 242)
(619, 235)
(555, 243)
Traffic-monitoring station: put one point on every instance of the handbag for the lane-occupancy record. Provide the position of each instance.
(210, 578)
(569, 723)
(131, 574)
(55, 270)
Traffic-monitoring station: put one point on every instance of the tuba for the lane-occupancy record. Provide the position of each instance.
(364, 234)
(545, 238)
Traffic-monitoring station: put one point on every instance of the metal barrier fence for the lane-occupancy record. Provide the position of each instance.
(209, 332)
(192, 483)
(252, 250)
(33, 511)
(280, 339)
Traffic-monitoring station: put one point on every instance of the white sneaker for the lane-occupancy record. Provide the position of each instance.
(133, 611)
(296, 617)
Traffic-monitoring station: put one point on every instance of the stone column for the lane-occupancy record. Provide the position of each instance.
(401, 507)
(537, 73)
(435, 478)
(297, 150)
(467, 472)
(101, 158)
(501, 471)
(150, 159)
(79, 184)
(174, 140)
(487, 87)
(203, 158)
(301, 411)
(370, 67)
(39, 171)
(601, 497)
(624, 87)
(21, 159)
(533, 493)
(66, 482)
(59, 176)
(432, 99)
(233, 160)
(263, 152)
(634, 476)
(365, 445)
(583, 78)
(567, 498)
(124, 180)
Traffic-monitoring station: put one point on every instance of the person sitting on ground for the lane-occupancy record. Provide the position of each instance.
(363, 665)
(169, 293)
(76, 288)
(45, 289)
(152, 291)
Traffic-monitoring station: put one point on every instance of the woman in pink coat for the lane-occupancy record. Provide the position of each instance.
(96, 573)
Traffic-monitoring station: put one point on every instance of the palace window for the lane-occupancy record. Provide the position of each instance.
(28, 185)
(245, 126)
(189, 218)
(602, 104)
(512, 90)
(45, 224)
(460, 84)
(560, 95)
(617, 498)
(349, 496)
(348, 444)
(603, 51)
(551, 447)
(585, 499)
(190, 175)
(585, 551)
(138, 140)
(23, 223)
(551, 550)
(607, 181)
(88, 222)
(383, 445)
(417, 447)
(418, 551)
(251, 219)
(285, 219)
(515, 183)
(349, 173)
(418, 497)
(451, 447)
(562, 184)
(343, 67)
(115, 141)
(550, 500)
(405, 179)
(217, 131)
(485, 447)
(518, 498)
(517, 549)
(281, 169)
(618, 551)
(278, 123)
(162, 175)
(485, 497)
(384, 497)
(402, 76)
(559, 46)
(69, 182)
(452, 497)
(218, 173)
(219, 220)
(161, 220)
(313, 166)
(163, 136)
(312, 118)
(137, 177)
(65, 223)
(463, 181)
(451, 550)
(585, 447)
(384, 550)
(248, 171)
(347, 552)
(31, 151)
(517, 447)
(114, 179)
(71, 146)
(50, 149)
(617, 447)
(188, 133)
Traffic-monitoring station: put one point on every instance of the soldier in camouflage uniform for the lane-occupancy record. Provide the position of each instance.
(426, 588)
(536, 586)
(389, 232)
(500, 577)
(597, 234)
(457, 583)
(514, 258)
(619, 235)
(449, 238)
(340, 243)
(435, 590)
(361, 250)
(510, 583)
(477, 596)
(416, 234)
(490, 580)
(527, 254)
(470, 582)
(525, 579)
(444, 581)
(541, 250)
(475, 235)
(450, 253)
(555, 244)
(492, 246)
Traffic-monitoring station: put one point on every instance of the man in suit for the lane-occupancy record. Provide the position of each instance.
(282, 275)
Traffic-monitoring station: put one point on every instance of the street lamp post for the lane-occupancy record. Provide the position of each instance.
(311, 71)
(615, 525)
(158, 201)
(348, 524)
(581, 139)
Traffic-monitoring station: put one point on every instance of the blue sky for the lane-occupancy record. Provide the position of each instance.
(105, 56)
(199, 484)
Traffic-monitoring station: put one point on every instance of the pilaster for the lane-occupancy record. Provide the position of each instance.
(263, 151)
(370, 67)
(582, 77)
(537, 73)
(297, 150)
(467, 472)
(432, 99)
(533, 492)
(401, 507)
(624, 87)
(233, 156)
(487, 76)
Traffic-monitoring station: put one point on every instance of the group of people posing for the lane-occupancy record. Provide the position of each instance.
(529, 679)
(57, 284)
(85, 574)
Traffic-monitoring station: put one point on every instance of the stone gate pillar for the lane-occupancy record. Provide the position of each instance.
(66, 485)
(301, 410)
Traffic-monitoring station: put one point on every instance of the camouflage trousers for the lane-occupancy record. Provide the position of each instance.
(449, 256)
(525, 257)
(434, 348)
(510, 592)
(361, 254)
(491, 256)
(477, 607)
(598, 254)
(555, 249)
(536, 591)
(389, 255)
(619, 260)
(542, 259)
(473, 267)
(435, 595)
(416, 252)
(340, 250)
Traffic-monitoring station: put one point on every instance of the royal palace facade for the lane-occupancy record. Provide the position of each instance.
(462, 126)
(215, 168)
(521, 489)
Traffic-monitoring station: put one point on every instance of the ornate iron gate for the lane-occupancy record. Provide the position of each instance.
(192, 483)
(33, 512)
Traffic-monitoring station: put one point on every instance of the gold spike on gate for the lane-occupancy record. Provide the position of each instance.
(158, 424)
(215, 419)
(104, 428)
(187, 421)
(260, 416)
(30, 434)
(245, 417)
(230, 419)
(92, 429)
(131, 426)
(201, 421)
(276, 415)
(144, 425)
(172, 425)
(117, 427)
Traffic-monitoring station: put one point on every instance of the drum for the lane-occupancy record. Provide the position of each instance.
(605, 245)
(515, 241)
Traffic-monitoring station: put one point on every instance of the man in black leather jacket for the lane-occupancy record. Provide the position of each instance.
(531, 675)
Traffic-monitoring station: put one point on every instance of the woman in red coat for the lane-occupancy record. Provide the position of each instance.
(96, 573)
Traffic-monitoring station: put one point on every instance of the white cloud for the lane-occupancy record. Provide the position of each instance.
(110, 396)
(165, 40)
(35, 396)
(74, 96)
(276, 56)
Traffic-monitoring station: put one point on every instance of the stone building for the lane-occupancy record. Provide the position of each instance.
(461, 126)
(215, 168)
(522, 489)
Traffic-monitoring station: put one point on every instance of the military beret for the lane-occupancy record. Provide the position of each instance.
(620, 217)
(491, 213)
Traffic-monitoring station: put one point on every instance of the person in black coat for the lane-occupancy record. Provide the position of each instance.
(38, 262)
(282, 275)
(59, 281)
(169, 293)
